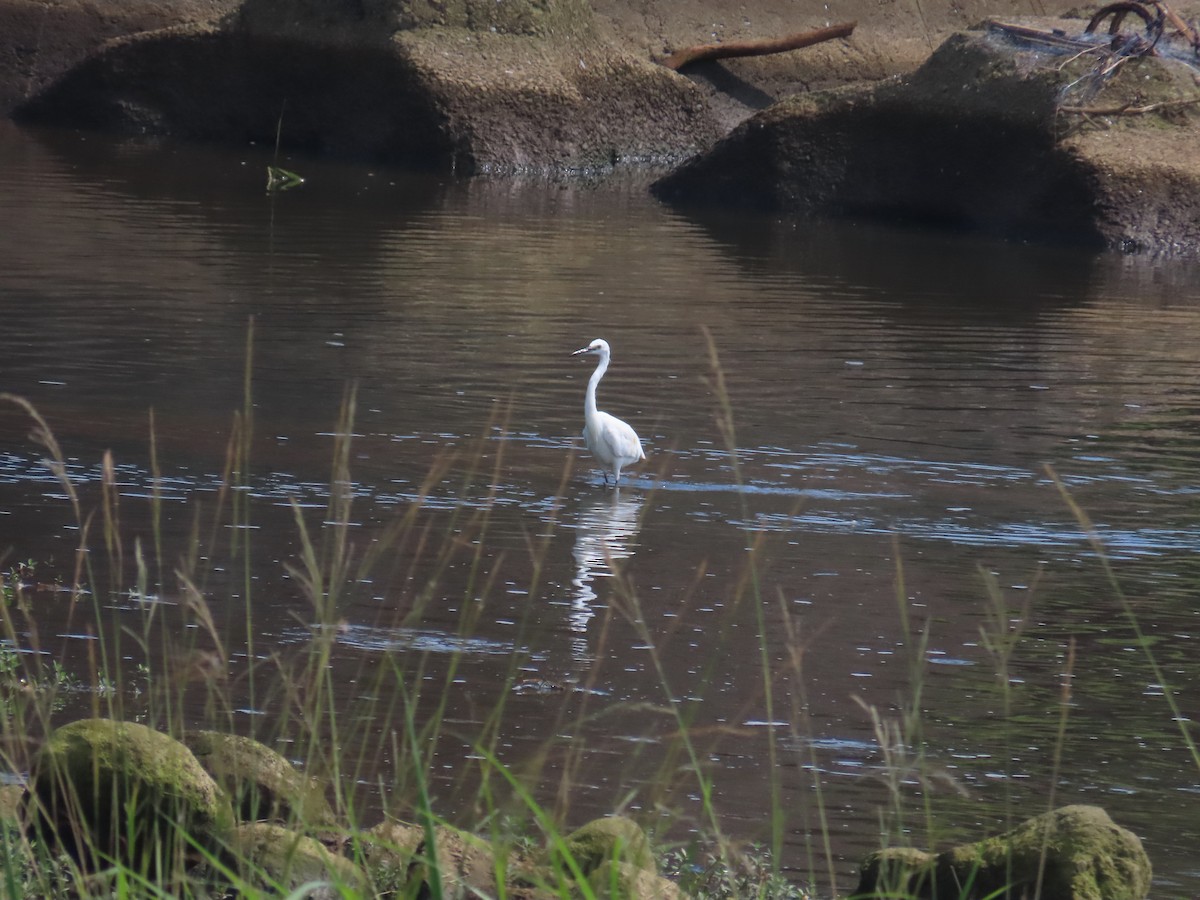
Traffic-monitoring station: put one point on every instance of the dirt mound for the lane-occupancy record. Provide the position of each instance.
(470, 86)
(986, 136)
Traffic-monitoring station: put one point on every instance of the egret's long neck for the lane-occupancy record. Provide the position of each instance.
(589, 402)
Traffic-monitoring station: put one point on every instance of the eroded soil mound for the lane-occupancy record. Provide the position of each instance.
(472, 85)
(986, 136)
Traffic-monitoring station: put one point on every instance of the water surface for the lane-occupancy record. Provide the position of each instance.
(898, 404)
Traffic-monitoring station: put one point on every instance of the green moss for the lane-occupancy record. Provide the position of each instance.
(1076, 853)
(288, 859)
(614, 839)
(261, 782)
(1086, 857)
(621, 881)
(898, 871)
(11, 796)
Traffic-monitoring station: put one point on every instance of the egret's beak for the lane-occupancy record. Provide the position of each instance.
(581, 350)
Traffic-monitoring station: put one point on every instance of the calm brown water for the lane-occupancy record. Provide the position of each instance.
(896, 399)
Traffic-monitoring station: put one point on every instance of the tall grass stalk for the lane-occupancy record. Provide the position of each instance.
(557, 844)
(801, 732)
(1160, 677)
(241, 441)
(725, 424)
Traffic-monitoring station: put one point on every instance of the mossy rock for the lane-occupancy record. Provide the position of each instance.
(613, 855)
(897, 871)
(102, 790)
(1087, 857)
(1076, 853)
(262, 783)
(393, 841)
(397, 856)
(466, 865)
(388, 850)
(11, 798)
(282, 858)
(615, 839)
(621, 881)
(15, 855)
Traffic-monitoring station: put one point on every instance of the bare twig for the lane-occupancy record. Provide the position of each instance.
(1128, 109)
(1038, 36)
(1190, 34)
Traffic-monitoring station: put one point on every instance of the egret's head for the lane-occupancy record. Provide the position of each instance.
(598, 347)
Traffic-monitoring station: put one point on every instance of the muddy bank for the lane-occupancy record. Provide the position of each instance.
(966, 140)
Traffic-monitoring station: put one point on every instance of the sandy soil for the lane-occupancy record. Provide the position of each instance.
(40, 39)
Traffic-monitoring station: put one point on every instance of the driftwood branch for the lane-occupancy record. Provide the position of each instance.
(762, 47)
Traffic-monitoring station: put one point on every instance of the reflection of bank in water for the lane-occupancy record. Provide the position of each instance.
(604, 532)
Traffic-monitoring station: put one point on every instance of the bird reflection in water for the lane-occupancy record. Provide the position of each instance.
(605, 533)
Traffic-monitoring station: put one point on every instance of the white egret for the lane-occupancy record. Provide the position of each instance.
(609, 439)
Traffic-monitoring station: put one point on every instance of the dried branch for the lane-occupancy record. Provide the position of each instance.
(761, 47)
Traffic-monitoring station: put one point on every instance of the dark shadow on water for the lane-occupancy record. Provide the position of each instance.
(949, 274)
(223, 184)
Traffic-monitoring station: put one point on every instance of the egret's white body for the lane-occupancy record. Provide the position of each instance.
(613, 442)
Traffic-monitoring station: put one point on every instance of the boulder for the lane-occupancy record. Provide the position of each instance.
(388, 850)
(621, 881)
(1072, 853)
(11, 798)
(279, 858)
(15, 854)
(613, 855)
(614, 839)
(468, 866)
(261, 783)
(102, 790)
(988, 136)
